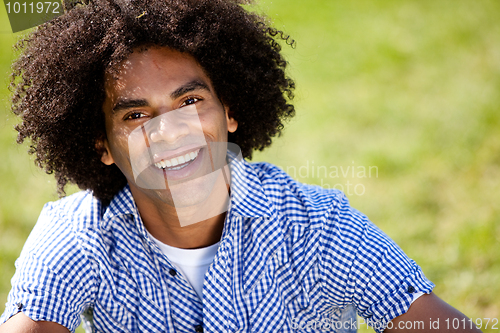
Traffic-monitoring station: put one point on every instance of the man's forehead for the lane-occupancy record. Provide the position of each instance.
(160, 58)
(155, 67)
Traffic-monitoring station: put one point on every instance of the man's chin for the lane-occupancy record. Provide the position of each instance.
(185, 194)
(199, 199)
(182, 197)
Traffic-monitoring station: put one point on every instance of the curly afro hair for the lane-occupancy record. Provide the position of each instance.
(58, 81)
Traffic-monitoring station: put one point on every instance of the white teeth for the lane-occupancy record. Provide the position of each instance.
(171, 163)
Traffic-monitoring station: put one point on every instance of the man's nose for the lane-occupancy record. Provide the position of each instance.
(168, 127)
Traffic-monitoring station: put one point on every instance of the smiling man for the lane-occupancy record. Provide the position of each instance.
(150, 107)
(162, 111)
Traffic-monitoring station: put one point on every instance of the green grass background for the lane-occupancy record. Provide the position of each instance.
(409, 87)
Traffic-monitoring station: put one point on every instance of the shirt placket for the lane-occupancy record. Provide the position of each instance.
(184, 308)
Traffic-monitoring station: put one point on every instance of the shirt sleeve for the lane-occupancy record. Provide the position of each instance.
(54, 279)
(364, 267)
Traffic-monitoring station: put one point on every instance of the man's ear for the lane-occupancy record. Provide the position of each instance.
(102, 148)
(232, 124)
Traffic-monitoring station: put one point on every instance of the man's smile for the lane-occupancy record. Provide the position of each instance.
(183, 166)
(178, 162)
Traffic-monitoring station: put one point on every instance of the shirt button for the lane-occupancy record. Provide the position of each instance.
(19, 305)
(172, 272)
(198, 329)
(411, 289)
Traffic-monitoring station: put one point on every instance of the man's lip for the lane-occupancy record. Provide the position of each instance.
(173, 176)
(167, 155)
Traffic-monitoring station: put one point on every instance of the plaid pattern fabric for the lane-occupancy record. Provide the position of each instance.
(292, 258)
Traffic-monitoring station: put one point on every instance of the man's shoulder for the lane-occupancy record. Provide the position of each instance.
(77, 211)
(290, 196)
(76, 205)
(59, 231)
(275, 179)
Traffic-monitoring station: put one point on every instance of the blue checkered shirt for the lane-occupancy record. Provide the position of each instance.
(292, 258)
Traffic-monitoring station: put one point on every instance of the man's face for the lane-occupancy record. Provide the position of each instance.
(162, 116)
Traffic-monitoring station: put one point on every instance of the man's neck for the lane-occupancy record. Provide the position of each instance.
(164, 222)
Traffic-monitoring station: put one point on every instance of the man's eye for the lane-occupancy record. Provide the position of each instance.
(190, 100)
(134, 115)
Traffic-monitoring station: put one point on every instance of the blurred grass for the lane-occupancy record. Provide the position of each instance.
(412, 88)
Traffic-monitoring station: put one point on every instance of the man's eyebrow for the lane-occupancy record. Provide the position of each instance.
(188, 87)
(122, 104)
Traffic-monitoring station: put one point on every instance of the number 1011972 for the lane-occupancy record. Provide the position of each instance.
(32, 8)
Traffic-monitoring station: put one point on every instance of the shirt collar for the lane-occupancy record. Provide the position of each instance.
(248, 198)
(122, 204)
(261, 231)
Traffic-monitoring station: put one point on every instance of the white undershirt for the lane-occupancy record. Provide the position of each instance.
(416, 295)
(192, 263)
